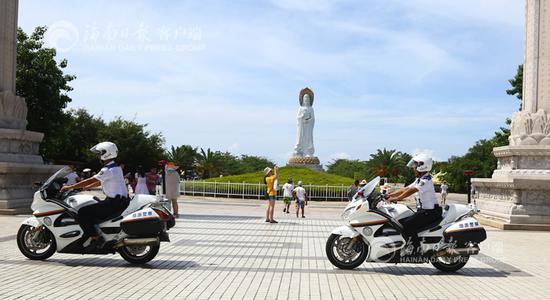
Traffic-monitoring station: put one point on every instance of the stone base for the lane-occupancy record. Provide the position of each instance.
(311, 162)
(20, 146)
(497, 223)
(17, 184)
(518, 194)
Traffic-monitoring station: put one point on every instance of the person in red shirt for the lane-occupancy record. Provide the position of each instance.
(152, 179)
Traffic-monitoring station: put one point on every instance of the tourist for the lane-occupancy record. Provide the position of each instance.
(352, 190)
(141, 182)
(444, 192)
(152, 179)
(270, 179)
(72, 177)
(172, 186)
(287, 194)
(300, 196)
(385, 189)
(86, 173)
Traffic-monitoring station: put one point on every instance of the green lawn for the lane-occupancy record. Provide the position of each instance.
(306, 175)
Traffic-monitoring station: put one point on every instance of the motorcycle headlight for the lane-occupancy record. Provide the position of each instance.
(348, 212)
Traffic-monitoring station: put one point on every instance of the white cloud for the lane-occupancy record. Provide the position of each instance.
(305, 5)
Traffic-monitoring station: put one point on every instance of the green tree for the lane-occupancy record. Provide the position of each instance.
(185, 156)
(79, 133)
(251, 163)
(226, 164)
(348, 168)
(41, 81)
(517, 85)
(136, 145)
(387, 163)
(207, 164)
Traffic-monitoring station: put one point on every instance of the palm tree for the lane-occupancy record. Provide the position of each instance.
(387, 163)
(184, 156)
(207, 163)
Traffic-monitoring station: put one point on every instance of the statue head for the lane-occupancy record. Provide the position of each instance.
(306, 97)
(306, 101)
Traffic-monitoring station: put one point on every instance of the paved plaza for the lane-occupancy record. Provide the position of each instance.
(222, 248)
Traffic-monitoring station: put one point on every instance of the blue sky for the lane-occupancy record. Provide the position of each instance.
(400, 74)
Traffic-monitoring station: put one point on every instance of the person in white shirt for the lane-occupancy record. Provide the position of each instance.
(72, 177)
(428, 210)
(141, 182)
(300, 195)
(111, 179)
(288, 187)
(444, 192)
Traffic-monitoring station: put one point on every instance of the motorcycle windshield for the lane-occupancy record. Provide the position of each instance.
(59, 174)
(369, 188)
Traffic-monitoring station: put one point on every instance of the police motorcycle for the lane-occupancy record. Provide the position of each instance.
(373, 234)
(135, 233)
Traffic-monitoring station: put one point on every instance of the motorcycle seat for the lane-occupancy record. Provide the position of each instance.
(431, 225)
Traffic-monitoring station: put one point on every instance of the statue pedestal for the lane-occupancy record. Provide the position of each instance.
(20, 168)
(311, 162)
(518, 194)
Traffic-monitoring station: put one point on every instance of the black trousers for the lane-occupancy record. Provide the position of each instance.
(420, 219)
(88, 216)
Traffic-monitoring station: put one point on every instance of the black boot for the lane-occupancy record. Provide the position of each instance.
(95, 244)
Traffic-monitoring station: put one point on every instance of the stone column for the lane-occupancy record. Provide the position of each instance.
(518, 194)
(13, 109)
(8, 48)
(20, 164)
(531, 126)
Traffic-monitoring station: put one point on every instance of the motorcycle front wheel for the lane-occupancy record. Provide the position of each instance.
(139, 254)
(36, 243)
(450, 263)
(340, 254)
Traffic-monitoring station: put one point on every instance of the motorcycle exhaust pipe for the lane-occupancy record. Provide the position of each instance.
(138, 241)
(458, 251)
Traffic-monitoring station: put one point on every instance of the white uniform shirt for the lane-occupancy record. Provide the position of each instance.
(71, 178)
(287, 190)
(300, 193)
(425, 197)
(112, 181)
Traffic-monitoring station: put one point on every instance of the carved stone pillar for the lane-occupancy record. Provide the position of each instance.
(20, 164)
(518, 194)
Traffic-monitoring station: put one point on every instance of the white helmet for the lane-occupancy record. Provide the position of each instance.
(107, 150)
(422, 162)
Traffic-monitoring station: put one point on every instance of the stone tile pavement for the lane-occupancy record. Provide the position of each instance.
(222, 248)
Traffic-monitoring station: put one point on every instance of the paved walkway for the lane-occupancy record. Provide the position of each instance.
(222, 248)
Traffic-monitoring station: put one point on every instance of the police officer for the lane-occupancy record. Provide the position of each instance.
(111, 179)
(428, 210)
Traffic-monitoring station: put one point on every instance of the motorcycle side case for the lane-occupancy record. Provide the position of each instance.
(142, 223)
(465, 231)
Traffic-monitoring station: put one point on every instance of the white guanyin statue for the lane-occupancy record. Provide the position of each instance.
(306, 121)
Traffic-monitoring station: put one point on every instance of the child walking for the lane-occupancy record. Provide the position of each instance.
(300, 196)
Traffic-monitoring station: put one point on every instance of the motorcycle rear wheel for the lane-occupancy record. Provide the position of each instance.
(139, 254)
(450, 264)
(360, 251)
(30, 248)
